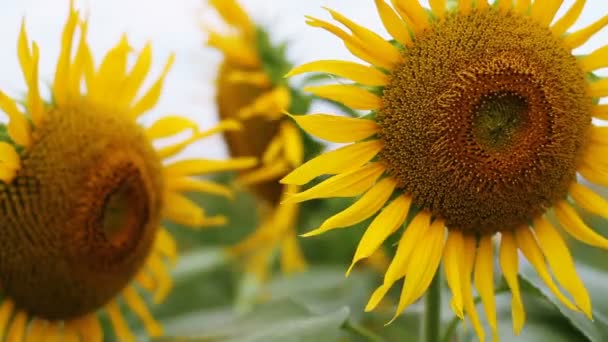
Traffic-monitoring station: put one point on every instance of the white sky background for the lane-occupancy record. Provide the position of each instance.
(174, 26)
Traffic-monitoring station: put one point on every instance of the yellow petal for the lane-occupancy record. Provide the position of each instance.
(596, 60)
(544, 11)
(522, 6)
(393, 24)
(273, 150)
(510, 268)
(482, 4)
(266, 173)
(350, 95)
(203, 166)
(414, 12)
(422, 266)
(235, 49)
(338, 161)
(484, 281)
(159, 272)
(359, 73)
(571, 16)
(82, 67)
(336, 128)
(186, 184)
(88, 327)
(120, 327)
(467, 289)
(62, 72)
(9, 158)
(23, 51)
(234, 14)
(292, 142)
(558, 256)
(398, 267)
(506, 5)
(111, 73)
(181, 210)
(349, 184)
(271, 104)
(375, 45)
(528, 245)
(16, 331)
(589, 200)
(292, 257)
(453, 262)
(136, 76)
(18, 126)
(165, 244)
(6, 312)
(138, 306)
(385, 224)
(36, 330)
(150, 98)
(438, 7)
(581, 36)
(593, 175)
(599, 88)
(363, 208)
(465, 6)
(34, 102)
(253, 78)
(575, 226)
(353, 44)
(170, 125)
(600, 112)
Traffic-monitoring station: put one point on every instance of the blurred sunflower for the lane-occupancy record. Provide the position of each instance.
(251, 88)
(83, 192)
(481, 122)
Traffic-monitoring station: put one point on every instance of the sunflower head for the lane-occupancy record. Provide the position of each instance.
(481, 122)
(83, 191)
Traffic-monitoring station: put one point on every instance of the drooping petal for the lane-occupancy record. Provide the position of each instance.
(510, 268)
(596, 60)
(292, 143)
(17, 329)
(528, 245)
(265, 173)
(363, 74)
(119, 325)
(348, 184)
(138, 306)
(269, 105)
(182, 210)
(170, 125)
(6, 312)
(292, 257)
(165, 244)
(571, 16)
(398, 267)
(467, 288)
(453, 263)
(88, 328)
(235, 49)
(187, 184)
(363, 208)
(338, 161)
(385, 224)
(348, 94)
(413, 13)
(575, 226)
(484, 281)
(422, 266)
(62, 72)
(558, 256)
(35, 105)
(18, 127)
(338, 129)
(234, 14)
(157, 268)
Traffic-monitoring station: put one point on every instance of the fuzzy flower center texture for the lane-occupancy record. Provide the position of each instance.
(490, 137)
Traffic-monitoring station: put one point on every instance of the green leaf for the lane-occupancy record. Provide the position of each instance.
(279, 321)
(596, 330)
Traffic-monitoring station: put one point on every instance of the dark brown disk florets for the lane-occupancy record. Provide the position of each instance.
(485, 119)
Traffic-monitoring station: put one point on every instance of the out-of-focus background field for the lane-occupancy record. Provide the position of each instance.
(213, 299)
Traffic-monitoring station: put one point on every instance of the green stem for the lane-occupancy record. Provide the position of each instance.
(362, 331)
(431, 323)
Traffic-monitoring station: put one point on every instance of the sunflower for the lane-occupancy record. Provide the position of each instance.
(251, 88)
(83, 192)
(481, 122)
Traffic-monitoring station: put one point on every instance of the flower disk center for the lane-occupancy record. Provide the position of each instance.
(80, 218)
(491, 136)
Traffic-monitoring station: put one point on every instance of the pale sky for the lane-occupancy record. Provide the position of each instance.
(174, 26)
